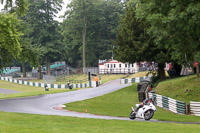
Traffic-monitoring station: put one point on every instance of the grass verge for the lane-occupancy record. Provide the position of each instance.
(25, 90)
(30, 123)
(109, 77)
(118, 103)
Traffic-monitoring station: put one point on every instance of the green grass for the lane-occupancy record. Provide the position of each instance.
(71, 77)
(118, 103)
(184, 89)
(109, 77)
(139, 74)
(26, 90)
(30, 123)
(104, 78)
(143, 74)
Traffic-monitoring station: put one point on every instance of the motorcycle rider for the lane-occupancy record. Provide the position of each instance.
(144, 103)
(69, 85)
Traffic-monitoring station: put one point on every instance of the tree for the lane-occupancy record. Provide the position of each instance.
(41, 15)
(89, 30)
(174, 25)
(9, 39)
(19, 6)
(9, 34)
(30, 53)
(78, 18)
(134, 44)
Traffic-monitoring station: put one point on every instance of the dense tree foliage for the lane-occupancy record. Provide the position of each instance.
(19, 6)
(9, 34)
(9, 39)
(174, 25)
(171, 25)
(30, 53)
(89, 30)
(44, 32)
(40, 39)
(134, 44)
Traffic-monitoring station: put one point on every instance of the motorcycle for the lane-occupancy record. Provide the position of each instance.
(146, 110)
(69, 85)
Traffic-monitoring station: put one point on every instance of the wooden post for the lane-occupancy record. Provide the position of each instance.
(187, 108)
(197, 70)
(24, 70)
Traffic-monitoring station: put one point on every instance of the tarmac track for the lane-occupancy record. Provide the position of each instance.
(51, 104)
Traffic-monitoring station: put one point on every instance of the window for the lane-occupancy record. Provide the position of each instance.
(120, 65)
(125, 65)
(132, 65)
(114, 65)
(108, 65)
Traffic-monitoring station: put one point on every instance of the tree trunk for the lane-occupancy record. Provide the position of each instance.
(49, 69)
(177, 68)
(161, 71)
(23, 69)
(84, 38)
(39, 72)
(48, 72)
(197, 70)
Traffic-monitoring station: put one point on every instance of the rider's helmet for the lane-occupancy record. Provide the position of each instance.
(152, 98)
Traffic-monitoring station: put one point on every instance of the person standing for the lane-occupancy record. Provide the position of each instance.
(96, 80)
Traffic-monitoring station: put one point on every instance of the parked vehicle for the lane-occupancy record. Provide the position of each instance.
(144, 111)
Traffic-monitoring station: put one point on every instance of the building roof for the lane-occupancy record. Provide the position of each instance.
(108, 61)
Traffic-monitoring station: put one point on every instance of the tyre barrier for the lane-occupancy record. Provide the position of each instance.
(168, 103)
(131, 80)
(195, 108)
(56, 86)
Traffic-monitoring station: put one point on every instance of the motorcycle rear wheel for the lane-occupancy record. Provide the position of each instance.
(132, 115)
(148, 114)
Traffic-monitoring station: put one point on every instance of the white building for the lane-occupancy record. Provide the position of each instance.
(115, 67)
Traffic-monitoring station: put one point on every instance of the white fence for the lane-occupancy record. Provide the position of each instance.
(176, 106)
(170, 104)
(131, 80)
(195, 108)
(118, 71)
(62, 86)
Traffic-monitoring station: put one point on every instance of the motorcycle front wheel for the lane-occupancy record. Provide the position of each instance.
(148, 114)
(132, 115)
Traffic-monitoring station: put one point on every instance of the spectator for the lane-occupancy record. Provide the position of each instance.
(96, 80)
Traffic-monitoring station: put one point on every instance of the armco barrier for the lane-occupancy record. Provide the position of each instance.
(62, 86)
(170, 104)
(131, 80)
(195, 108)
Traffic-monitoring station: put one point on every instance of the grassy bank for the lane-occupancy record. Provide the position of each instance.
(184, 89)
(118, 103)
(83, 77)
(139, 74)
(109, 77)
(29, 123)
